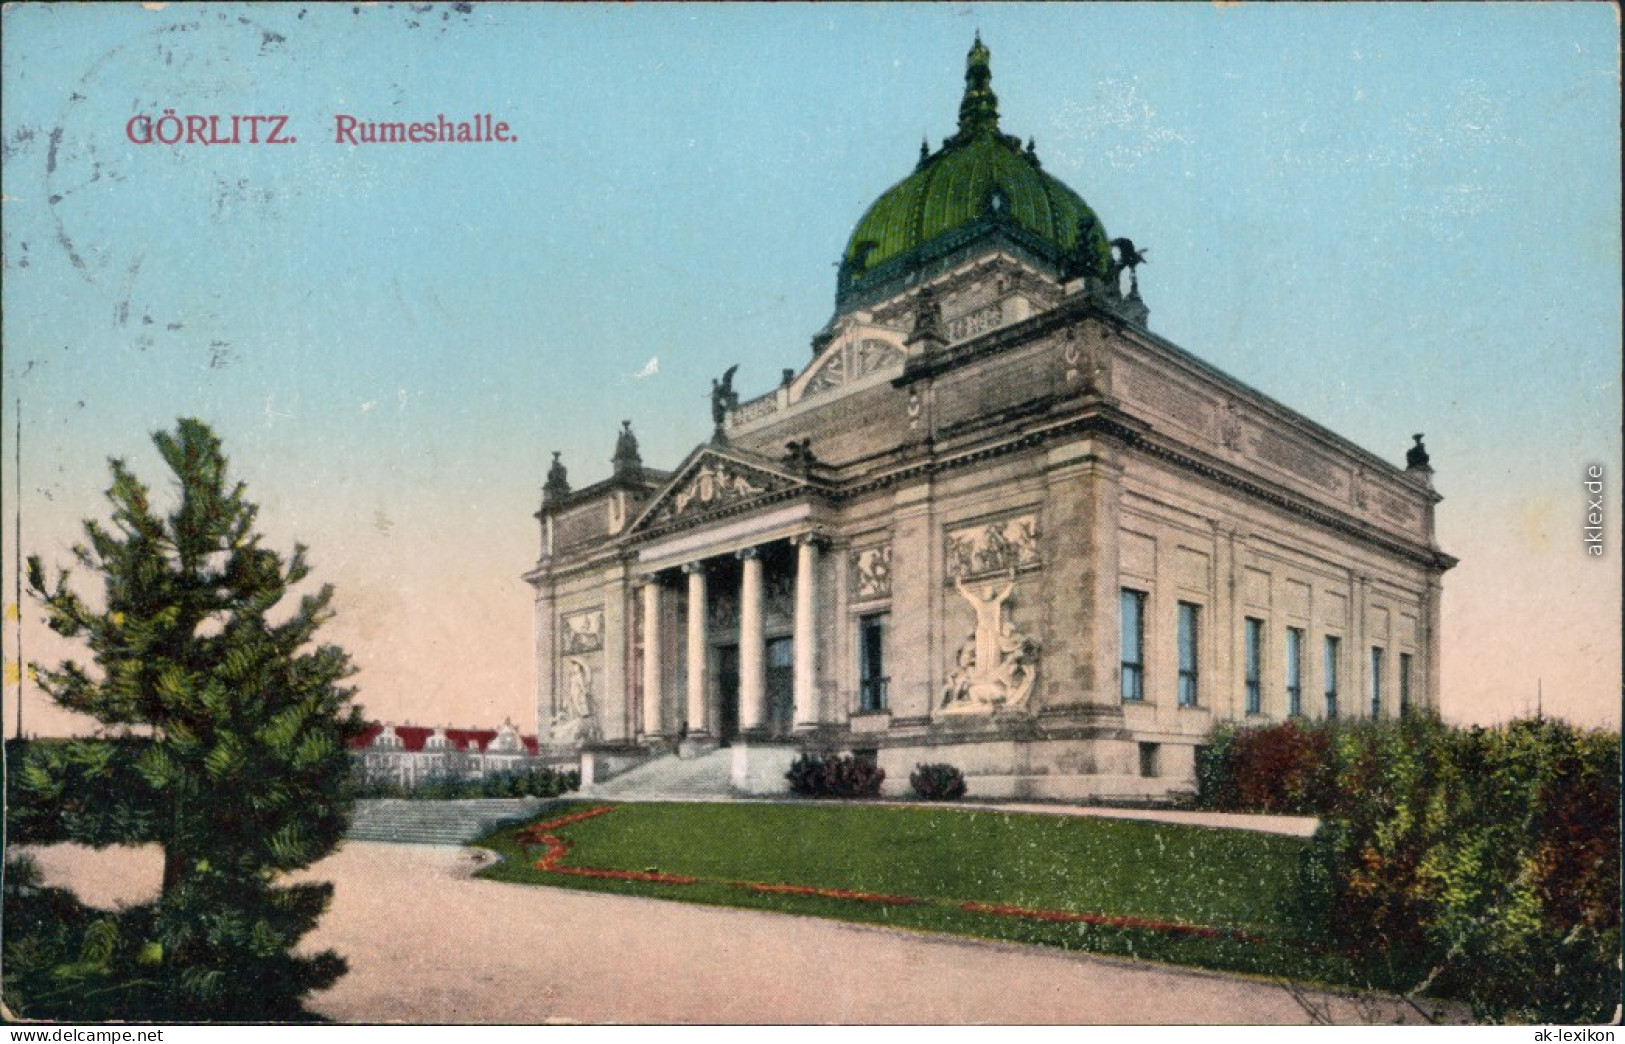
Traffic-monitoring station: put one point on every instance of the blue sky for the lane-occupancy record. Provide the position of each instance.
(1393, 218)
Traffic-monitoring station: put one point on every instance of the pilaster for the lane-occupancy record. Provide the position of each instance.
(617, 651)
(546, 657)
(1430, 642)
(916, 608)
(1079, 529)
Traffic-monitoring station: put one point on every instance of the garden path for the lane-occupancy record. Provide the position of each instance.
(428, 943)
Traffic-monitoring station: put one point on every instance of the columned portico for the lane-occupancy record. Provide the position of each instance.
(698, 615)
(651, 658)
(752, 665)
(806, 632)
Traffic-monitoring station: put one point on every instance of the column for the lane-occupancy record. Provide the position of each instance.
(752, 666)
(651, 658)
(806, 633)
(697, 618)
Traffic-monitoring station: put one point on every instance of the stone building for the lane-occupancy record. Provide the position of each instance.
(407, 755)
(994, 521)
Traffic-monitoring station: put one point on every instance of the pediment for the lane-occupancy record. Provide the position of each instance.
(716, 481)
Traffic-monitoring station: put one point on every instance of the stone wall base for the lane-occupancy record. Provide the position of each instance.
(759, 768)
(1079, 770)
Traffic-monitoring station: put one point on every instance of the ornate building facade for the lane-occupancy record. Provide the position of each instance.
(995, 522)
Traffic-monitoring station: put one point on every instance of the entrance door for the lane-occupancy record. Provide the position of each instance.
(781, 683)
(727, 693)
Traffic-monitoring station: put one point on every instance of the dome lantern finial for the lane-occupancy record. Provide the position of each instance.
(980, 108)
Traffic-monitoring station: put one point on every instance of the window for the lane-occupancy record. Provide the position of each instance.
(1150, 760)
(1188, 647)
(1255, 665)
(872, 662)
(1332, 644)
(1132, 611)
(1376, 682)
(1294, 671)
(1404, 683)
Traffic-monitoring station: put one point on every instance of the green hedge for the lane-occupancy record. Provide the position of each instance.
(538, 782)
(1478, 863)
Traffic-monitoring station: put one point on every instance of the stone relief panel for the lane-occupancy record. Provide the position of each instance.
(871, 573)
(1379, 623)
(997, 665)
(993, 547)
(582, 632)
(1409, 633)
(573, 720)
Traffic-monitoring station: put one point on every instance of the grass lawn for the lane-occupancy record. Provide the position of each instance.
(1187, 895)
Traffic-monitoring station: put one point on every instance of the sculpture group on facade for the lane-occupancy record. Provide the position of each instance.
(997, 665)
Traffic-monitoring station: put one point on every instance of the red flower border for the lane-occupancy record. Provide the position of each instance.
(556, 848)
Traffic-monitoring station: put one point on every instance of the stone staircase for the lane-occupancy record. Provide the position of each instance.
(436, 822)
(671, 777)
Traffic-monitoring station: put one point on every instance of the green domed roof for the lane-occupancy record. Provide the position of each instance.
(980, 177)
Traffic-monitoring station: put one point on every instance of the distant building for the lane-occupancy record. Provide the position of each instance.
(407, 755)
(994, 521)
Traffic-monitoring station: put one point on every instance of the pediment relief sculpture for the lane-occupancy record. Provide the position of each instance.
(715, 483)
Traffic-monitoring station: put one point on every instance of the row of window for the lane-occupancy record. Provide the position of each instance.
(872, 678)
(1189, 643)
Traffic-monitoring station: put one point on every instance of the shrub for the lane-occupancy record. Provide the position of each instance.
(1278, 768)
(824, 774)
(937, 782)
(1481, 863)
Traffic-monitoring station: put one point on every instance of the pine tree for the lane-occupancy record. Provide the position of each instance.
(224, 736)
